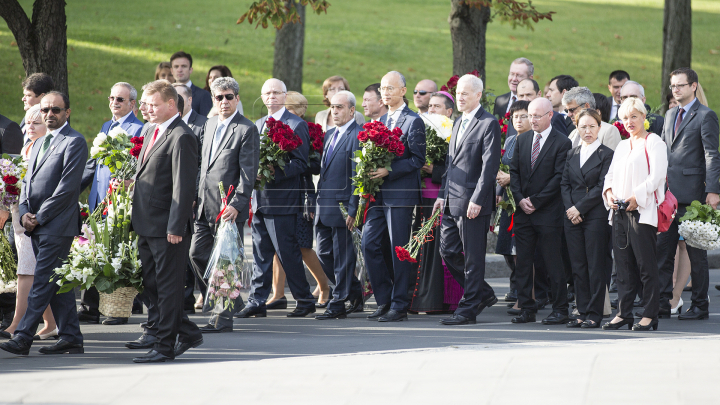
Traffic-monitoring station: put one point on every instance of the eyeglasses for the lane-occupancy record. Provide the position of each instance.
(421, 92)
(677, 86)
(521, 117)
(272, 93)
(387, 88)
(571, 110)
(537, 117)
(55, 110)
(227, 97)
(586, 127)
(119, 99)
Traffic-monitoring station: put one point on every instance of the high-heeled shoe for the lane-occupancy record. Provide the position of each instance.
(327, 300)
(618, 325)
(653, 324)
(280, 303)
(678, 309)
(45, 336)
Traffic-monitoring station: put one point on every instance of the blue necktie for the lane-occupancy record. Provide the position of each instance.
(113, 125)
(332, 146)
(389, 123)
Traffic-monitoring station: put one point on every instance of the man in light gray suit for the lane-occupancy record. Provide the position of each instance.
(50, 214)
(691, 134)
(230, 155)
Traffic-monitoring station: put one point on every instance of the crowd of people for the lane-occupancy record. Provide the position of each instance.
(586, 194)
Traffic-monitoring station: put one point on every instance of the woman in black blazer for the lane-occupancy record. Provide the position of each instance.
(586, 219)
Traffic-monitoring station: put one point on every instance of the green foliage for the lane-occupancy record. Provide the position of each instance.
(279, 12)
(515, 13)
(697, 211)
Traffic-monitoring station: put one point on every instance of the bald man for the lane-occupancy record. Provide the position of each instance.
(422, 94)
(535, 173)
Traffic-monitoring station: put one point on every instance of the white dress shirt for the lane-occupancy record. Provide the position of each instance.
(466, 116)
(544, 138)
(614, 109)
(164, 126)
(121, 120)
(511, 101)
(395, 115)
(186, 117)
(628, 176)
(587, 150)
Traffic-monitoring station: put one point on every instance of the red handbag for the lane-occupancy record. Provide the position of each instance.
(667, 210)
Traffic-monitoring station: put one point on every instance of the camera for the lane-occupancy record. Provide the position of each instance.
(622, 205)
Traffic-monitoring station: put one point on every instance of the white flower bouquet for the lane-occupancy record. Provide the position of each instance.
(438, 129)
(700, 226)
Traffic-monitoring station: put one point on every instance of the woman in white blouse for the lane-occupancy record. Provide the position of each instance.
(634, 187)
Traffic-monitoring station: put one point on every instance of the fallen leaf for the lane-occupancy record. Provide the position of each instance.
(13, 43)
(512, 38)
(618, 36)
(411, 69)
(75, 64)
(90, 108)
(574, 30)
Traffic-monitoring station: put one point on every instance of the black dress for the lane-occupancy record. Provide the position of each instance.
(505, 241)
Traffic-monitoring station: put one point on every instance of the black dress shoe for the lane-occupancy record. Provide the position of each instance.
(301, 312)
(717, 286)
(143, 342)
(277, 304)
(332, 314)
(380, 311)
(664, 312)
(588, 324)
(511, 296)
(652, 325)
(614, 303)
(210, 328)
(153, 356)
(524, 317)
(182, 347)
(16, 346)
(394, 316)
(573, 323)
(5, 335)
(487, 303)
(247, 312)
(457, 320)
(354, 305)
(694, 314)
(541, 303)
(84, 316)
(144, 325)
(556, 318)
(63, 347)
(514, 312)
(618, 325)
(115, 321)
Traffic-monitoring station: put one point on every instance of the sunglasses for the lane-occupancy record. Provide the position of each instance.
(119, 99)
(227, 97)
(421, 92)
(571, 110)
(55, 110)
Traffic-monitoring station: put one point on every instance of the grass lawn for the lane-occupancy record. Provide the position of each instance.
(361, 40)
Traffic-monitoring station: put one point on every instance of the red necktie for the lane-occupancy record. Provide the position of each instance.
(679, 120)
(152, 143)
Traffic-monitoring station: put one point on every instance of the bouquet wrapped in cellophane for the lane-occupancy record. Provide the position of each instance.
(506, 204)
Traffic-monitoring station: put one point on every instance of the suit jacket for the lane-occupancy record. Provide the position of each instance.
(501, 104)
(657, 122)
(473, 165)
(334, 185)
(569, 124)
(402, 186)
(201, 100)
(98, 175)
(235, 163)
(693, 158)
(51, 187)
(282, 195)
(165, 183)
(608, 136)
(11, 136)
(582, 187)
(196, 122)
(542, 182)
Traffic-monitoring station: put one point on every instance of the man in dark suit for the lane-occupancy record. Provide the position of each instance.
(230, 156)
(520, 69)
(635, 89)
(468, 198)
(535, 173)
(274, 221)
(162, 218)
(35, 87)
(556, 89)
(181, 63)
(372, 104)
(691, 134)
(122, 99)
(615, 82)
(51, 217)
(529, 90)
(11, 136)
(394, 205)
(335, 247)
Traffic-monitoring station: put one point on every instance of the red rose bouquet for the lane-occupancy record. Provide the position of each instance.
(623, 132)
(507, 203)
(138, 144)
(277, 141)
(12, 170)
(423, 235)
(504, 123)
(317, 137)
(379, 148)
(451, 85)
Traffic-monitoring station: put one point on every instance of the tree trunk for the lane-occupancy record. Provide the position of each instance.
(467, 29)
(677, 41)
(42, 42)
(288, 60)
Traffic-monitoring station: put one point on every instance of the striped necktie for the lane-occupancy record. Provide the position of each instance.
(535, 150)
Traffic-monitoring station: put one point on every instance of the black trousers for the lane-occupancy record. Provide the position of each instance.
(587, 246)
(50, 252)
(635, 247)
(463, 243)
(336, 252)
(164, 266)
(699, 269)
(548, 240)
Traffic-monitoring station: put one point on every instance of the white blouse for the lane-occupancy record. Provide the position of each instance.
(628, 175)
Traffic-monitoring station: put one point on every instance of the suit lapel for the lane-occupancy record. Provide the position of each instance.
(326, 146)
(226, 137)
(548, 144)
(593, 160)
(207, 145)
(401, 119)
(474, 121)
(575, 163)
(53, 144)
(689, 115)
(341, 143)
(161, 138)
